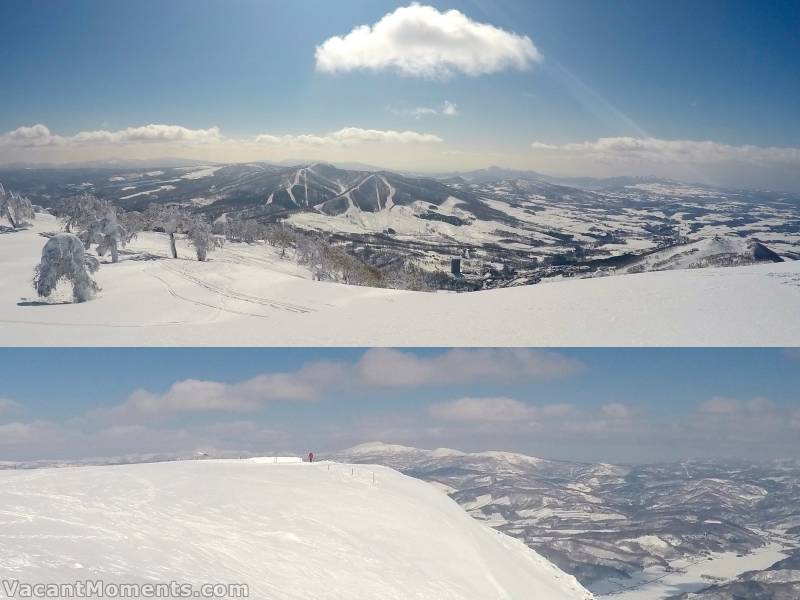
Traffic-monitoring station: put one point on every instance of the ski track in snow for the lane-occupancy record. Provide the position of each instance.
(230, 294)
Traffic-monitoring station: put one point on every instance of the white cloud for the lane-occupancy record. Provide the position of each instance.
(445, 109)
(7, 405)
(482, 410)
(496, 410)
(197, 396)
(617, 410)
(377, 368)
(33, 136)
(350, 135)
(385, 367)
(421, 41)
(449, 109)
(651, 150)
(149, 133)
(35, 432)
(722, 406)
(39, 135)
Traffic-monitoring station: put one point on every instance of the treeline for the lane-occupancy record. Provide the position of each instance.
(328, 261)
(98, 222)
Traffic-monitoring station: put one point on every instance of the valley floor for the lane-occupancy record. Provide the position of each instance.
(247, 295)
(689, 576)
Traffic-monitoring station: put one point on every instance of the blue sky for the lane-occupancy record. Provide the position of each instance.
(585, 404)
(676, 72)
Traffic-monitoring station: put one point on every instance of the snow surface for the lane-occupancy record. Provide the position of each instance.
(247, 295)
(704, 252)
(689, 576)
(290, 531)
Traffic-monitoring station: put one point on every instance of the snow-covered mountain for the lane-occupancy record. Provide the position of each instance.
(246, 294)
(636, 527)
(710, 252)
(508, 227)
(294, 531)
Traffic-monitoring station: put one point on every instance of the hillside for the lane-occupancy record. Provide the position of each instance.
(288, 531)
(634, 532)
(247, 295)
(515, 226)
(718, 251)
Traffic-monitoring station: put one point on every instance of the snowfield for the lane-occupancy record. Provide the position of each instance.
(247, 295)
(690, 576)
(289, 531)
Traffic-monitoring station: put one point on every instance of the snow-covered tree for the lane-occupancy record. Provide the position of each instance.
(248, 231)
(108, 233)
(16, 208)
(64, 257)
(133, 221)
(81, 211)
(279, 235)
(199, 234)
(170, 219)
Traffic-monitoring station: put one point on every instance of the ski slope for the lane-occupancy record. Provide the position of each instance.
(708, 252)
(289, 531)
(246, 295)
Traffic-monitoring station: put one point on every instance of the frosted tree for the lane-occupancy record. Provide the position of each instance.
(64, 257)
(16, 208)
(279, 235)
(133, 221)
(170, 219)
(199, 234)
(81, 211)
(108, 233)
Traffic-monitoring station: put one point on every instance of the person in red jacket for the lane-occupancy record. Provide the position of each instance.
(310, 457)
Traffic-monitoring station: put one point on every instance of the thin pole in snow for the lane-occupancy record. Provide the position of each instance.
(352, 471)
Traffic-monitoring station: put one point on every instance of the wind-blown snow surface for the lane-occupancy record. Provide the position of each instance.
(247, 295)
(289, 531)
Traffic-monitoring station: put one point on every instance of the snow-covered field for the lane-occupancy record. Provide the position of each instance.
(247, 295)
(690, 576)
(290, 531)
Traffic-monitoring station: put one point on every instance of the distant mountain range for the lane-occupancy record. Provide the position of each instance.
(508, 227)
(603, 522)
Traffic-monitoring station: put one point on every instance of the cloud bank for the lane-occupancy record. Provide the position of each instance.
(40, 135)
(421, 41)
(655, 150)
(393, 368)
(350, 135)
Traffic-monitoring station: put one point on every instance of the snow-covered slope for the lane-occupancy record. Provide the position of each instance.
(290, 531)
(634, 532)
(719, 251)
(246, 295)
